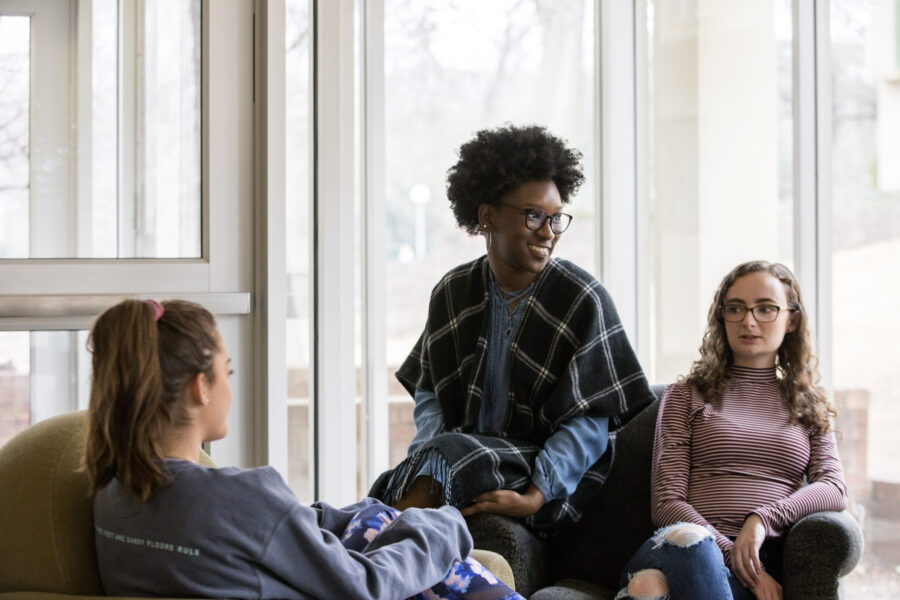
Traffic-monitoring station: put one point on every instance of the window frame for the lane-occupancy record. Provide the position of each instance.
(60, 294)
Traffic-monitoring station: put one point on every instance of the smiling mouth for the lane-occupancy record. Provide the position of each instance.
(542, 251)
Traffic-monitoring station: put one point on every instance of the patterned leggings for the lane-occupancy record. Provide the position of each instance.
(465, 580)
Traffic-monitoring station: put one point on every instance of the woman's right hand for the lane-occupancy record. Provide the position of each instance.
(745, 563)
(767, 588)
(507, 502)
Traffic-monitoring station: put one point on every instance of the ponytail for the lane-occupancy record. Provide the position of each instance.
(144, 356)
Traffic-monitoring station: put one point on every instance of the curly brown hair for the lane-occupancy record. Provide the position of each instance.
(797, 366)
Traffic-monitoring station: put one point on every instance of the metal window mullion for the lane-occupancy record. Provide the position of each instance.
(230, 203)
(125, 172)
(271, 270)
(618, 144)
(374, 312)
(824, 229)
(83, 69)
(812, 117)
(643, 178)
(334, 381)
(50, 141)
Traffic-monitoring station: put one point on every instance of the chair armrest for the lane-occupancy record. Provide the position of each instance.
(526, 554)
(493, 562)
(820, 549)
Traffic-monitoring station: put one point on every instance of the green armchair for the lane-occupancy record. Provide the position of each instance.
(46, 517)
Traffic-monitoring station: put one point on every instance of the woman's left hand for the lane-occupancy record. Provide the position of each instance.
(767, 588)
(507, 502)
(745, 554)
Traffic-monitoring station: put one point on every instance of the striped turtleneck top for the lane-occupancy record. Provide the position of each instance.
(716, 463)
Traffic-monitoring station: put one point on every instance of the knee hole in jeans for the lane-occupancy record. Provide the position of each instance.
(683, 534)
(648, 583)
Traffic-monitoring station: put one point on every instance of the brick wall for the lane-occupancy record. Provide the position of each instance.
(852, 425)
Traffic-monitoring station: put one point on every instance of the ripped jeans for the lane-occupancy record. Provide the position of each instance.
(694, 568)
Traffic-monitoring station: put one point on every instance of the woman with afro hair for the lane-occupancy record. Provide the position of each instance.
(523, 367)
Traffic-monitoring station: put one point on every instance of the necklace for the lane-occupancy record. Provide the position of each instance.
(509, 298)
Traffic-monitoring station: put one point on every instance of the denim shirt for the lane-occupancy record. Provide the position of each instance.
(567, 454)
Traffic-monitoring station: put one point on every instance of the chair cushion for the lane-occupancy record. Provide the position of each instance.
(46, 522)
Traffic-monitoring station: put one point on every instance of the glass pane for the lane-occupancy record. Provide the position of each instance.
(720, 120)
(298, 223)
(15, 34)
(100, 134)
(42, 374)
(865, 264)
(104, 130)
(453, 67)
(167, 153)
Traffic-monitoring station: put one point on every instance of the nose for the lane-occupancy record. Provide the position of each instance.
(544, 230)
(749, 315)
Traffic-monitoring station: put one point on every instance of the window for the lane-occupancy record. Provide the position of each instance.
(719, 81)
(42, 374)
(298, 211)
(100, 129)
(864, 258)
(102, 134)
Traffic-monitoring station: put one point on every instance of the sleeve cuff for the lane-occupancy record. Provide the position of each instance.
(767, 524)
(546, 479)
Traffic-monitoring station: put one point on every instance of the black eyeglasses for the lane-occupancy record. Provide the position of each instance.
(535, 219)
(763, 313)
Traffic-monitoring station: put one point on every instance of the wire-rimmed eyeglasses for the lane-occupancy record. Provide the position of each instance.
(763, 313)
(535, 219)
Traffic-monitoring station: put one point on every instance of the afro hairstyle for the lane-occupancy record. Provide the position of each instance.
(497, 161)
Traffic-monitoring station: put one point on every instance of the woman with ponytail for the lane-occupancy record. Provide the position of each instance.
(166, 526)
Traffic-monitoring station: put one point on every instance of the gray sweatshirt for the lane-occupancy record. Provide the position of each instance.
(241, 533)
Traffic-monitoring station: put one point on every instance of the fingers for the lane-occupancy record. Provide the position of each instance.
(755, 564)
(745, 556)
(744, 570)
(767, 588)
(488, 502)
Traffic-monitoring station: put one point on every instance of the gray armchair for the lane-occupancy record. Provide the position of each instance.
(584, 562)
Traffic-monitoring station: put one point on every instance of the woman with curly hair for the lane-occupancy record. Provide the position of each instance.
(743, 449)
(167, 526)
(523, 367)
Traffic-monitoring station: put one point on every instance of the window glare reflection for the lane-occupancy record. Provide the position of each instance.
(15, 62)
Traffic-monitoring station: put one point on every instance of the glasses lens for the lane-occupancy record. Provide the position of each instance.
(560, 222)
(733, 312)
(765, 313)
(534, 219)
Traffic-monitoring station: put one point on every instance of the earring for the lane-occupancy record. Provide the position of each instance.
(205, 399)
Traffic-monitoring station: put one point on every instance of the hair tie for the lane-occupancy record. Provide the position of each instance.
(158, 309)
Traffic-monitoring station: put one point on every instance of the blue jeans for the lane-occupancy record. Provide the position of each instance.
(695, 571)
(466, 579)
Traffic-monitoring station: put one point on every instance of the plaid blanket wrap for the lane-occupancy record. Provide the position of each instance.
(571, 357)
